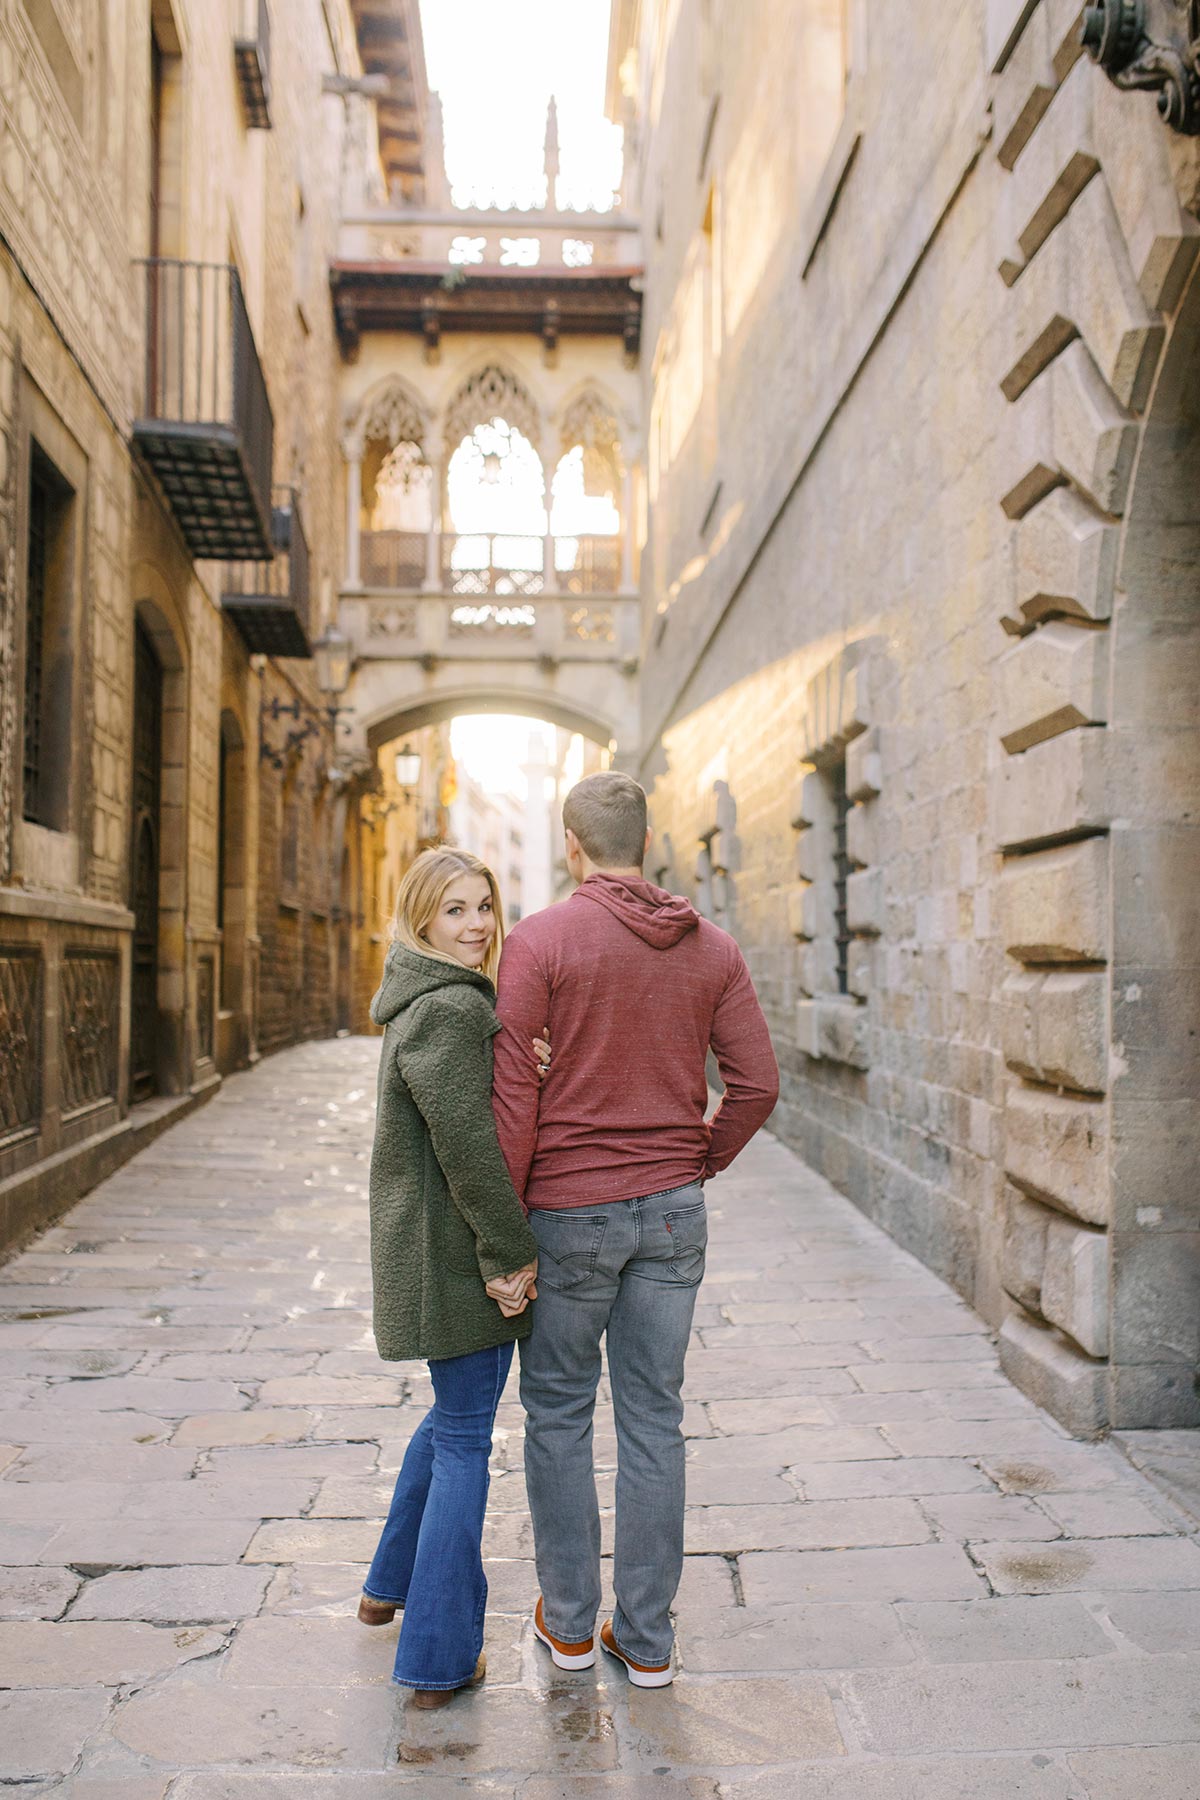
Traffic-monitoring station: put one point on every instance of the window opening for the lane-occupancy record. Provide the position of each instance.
(48, 632)
(35, 633)
(841, 874)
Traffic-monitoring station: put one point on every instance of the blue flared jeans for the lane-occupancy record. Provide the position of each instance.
(429, 1559)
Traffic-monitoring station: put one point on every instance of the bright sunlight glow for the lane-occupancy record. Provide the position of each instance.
(494, 747)
(495, 64)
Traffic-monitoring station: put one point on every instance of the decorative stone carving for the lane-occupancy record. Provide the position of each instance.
(394, 620)
(591, 625)
(88, 1027)
(588, 423)
(492, 393)
(20, 1039)
(393, 415)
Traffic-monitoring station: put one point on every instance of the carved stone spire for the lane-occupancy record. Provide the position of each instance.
(551, 156)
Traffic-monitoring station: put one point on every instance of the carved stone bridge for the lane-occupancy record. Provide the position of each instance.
(424, 657)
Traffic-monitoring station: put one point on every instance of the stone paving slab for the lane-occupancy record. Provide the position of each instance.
(902, 1582)
(1003, 1706)
(74, 1655)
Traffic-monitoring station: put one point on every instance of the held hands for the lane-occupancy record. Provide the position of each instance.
(512, 1293)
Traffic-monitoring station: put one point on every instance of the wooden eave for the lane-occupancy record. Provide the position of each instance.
(390, 44)
(546, 303)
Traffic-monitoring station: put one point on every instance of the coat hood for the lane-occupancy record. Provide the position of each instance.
(407, 975)
(658, 918)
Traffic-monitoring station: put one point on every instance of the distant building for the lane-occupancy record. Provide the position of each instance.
(492, 826)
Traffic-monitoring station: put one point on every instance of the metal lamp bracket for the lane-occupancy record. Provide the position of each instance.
(1152, 45)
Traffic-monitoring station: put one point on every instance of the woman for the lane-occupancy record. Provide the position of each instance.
(445, 1223)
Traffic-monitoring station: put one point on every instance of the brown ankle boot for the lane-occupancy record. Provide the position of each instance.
(428, 1698)
(375, 1612)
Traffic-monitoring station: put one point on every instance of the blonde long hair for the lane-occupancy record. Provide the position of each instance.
(421, 891)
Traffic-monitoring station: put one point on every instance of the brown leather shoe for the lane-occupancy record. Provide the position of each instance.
(428, 1698)
(645, 1675)
(566, 1656)
(375, 1612)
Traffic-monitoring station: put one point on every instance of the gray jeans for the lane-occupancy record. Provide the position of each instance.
(630, 1268)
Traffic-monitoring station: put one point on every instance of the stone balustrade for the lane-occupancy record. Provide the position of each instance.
(492, 627)
(457, 238)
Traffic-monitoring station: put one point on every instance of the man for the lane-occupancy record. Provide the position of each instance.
(610, 1157)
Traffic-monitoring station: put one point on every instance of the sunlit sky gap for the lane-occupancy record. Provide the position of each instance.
(495, 64)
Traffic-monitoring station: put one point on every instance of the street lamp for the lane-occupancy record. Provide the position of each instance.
(333, 654)
(408, 767)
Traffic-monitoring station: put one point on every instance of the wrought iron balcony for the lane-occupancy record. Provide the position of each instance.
(206, 428)
(252, 55)
(268, 601)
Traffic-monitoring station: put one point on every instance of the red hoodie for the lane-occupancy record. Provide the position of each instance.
(635, 988)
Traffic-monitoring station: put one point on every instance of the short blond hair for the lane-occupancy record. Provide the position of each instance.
(607, 813)
(421, 892)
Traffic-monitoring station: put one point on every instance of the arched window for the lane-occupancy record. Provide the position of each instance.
(496, 499)
(396, 507)
(585, 515)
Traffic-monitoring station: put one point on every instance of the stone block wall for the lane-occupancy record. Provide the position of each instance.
(947, 561)
(75, 111)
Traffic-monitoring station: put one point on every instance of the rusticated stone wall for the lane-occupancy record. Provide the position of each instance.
(923, 523)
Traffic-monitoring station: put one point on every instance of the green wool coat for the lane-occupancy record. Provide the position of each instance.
(445, 1217)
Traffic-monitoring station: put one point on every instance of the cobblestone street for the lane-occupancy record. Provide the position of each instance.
(903, 1581)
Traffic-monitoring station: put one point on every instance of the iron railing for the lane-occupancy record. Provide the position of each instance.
(269, 601)
(21, 1026)
(252, 55)
(206, 426)
(588, 565)
(841, 875)
(478, 564)
(392, 559)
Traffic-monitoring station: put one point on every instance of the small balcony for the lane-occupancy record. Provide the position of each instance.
(205, 427)
(268, 601)
(252, 57)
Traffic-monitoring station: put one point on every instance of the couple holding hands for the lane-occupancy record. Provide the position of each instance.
(511, 1204)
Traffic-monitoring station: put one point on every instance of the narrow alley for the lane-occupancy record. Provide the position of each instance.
(903, 1581)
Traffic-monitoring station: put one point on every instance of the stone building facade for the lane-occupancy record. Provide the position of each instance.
(178, 825)
(920, 641)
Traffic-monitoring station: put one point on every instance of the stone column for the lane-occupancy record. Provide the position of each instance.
(627, 529)
(353, 453)
(434, 456)
(549, 447)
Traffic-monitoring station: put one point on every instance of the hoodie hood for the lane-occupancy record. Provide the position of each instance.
(407, 975)
(658, 918)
